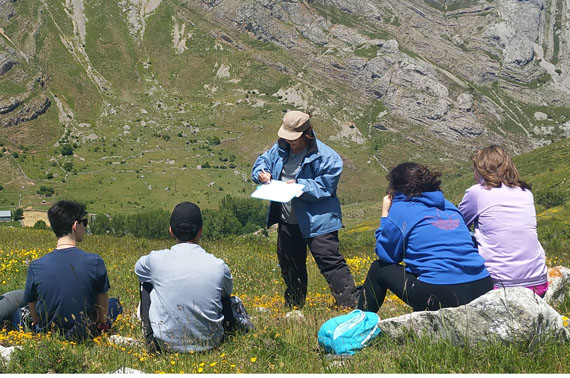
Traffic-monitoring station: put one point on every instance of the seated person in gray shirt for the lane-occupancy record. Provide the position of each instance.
(185, 291)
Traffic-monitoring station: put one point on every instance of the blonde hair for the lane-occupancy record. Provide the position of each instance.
(496, 168)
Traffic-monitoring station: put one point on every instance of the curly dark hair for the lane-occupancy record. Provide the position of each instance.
(412, 179)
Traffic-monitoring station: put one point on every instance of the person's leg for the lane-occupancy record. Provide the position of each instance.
(292, 256)
(333, 267)
(230, 324)
(151, 342)
(381, 277)
(434, 297)
(10, 304)
(114, 310)
(420, 295)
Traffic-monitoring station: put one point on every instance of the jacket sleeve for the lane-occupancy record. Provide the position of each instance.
(264, 161)
(324, 184)
(469, 205)
(389, 242)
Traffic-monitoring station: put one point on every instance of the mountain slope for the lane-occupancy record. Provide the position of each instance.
(161, 101)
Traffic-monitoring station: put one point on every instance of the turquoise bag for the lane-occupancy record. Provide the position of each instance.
(347, 334)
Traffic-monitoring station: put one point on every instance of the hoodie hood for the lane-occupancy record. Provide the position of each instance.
(430, 199)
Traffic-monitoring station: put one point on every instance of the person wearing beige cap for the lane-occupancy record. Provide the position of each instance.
(312, 219)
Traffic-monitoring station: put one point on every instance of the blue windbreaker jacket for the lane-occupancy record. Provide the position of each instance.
(429, 235)
(318, 208)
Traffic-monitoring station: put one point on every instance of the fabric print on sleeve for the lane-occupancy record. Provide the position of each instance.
(444, 221)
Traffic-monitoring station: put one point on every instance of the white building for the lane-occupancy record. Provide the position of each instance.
(5, 215)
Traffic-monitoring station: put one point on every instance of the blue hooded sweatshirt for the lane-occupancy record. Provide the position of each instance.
(429, 235)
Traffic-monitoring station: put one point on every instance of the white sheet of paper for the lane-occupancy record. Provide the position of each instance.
(278, 191)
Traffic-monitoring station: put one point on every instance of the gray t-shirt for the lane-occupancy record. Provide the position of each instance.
(290, 170)
(186, 307)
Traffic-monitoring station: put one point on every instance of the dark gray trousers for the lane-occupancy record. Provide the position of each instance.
(10, 303)
(292, 256)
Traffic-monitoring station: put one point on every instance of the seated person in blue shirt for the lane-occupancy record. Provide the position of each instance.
(67, 289)
(426, 232)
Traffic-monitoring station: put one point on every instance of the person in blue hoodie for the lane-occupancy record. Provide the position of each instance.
(424, 231)
(314, 218)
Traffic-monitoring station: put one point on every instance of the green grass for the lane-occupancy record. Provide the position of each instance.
(277, 345)
(368, 52)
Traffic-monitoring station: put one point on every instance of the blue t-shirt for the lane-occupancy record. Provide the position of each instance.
(64, 284)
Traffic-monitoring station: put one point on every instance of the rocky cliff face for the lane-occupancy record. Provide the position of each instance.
(430, 58)
(415, 76)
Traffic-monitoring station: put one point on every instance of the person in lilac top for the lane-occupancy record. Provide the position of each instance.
(501, 208)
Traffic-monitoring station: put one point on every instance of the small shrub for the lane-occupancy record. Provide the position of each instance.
(45, 191)
(18, 214)
(67, 149)
(40, 225)
(550, 198)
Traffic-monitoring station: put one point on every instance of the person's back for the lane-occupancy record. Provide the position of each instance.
(188, 284)
(501, 208)
(67, 289)
(182, 289)
(65, 282)
(436, 244)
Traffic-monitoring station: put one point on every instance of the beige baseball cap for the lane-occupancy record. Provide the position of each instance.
(294, 123)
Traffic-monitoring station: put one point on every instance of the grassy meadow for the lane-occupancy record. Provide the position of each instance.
(278, 345)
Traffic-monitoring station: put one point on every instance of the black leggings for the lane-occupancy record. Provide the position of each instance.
(420, 295)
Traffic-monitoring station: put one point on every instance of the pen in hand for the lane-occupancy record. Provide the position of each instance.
(264, 176)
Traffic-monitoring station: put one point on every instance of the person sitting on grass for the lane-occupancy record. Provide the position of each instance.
(426, 232)
(185, 291)
(67, 289)
(501, 208)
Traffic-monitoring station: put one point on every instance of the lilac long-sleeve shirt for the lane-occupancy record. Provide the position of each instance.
(505, 228)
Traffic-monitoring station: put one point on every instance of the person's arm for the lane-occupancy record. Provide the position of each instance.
(389, 242)
(324, 184)
(33, 313)
(469, 206)
(386, 204)
(31, 294)
(101, 306)
(227, 285)
(261, 171)
(142, 269)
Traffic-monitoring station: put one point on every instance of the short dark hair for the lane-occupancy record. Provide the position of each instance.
(63, 214)
(186, 221)
(412, 179)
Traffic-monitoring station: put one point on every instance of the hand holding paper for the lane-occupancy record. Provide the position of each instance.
(278, 191)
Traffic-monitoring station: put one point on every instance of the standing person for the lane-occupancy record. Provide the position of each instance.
(314, 218)
(501, 208)
(425, 231)
(185, 296)
(67, 289)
